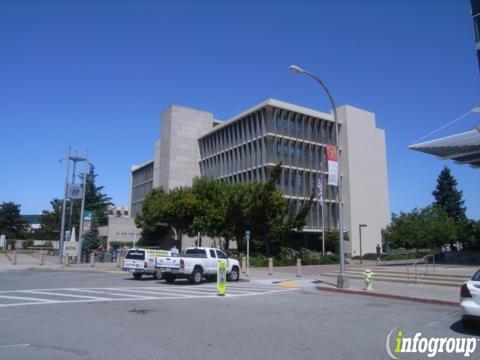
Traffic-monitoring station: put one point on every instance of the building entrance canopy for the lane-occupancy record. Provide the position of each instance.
(463, 148)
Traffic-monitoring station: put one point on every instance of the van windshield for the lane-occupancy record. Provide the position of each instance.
(136, 255)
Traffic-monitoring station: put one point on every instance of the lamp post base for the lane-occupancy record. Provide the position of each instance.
(342, 281)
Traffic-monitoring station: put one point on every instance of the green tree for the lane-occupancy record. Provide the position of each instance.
(429, 227)
(11, 223)
(448, 197)
(95, 200)
(175, 209)
(91, 241)
(269, 217)
(50, 222)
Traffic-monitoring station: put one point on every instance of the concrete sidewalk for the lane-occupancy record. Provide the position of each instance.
(311, 280)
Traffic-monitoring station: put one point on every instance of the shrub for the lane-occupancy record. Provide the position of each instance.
(27, 243)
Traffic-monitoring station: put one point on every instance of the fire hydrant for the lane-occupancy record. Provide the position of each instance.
(368, 278)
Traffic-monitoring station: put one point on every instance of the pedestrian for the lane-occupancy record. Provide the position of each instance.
(113, 254)
(101, 255)
(379, 251)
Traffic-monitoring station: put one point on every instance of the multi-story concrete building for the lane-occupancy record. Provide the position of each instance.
(246, 148)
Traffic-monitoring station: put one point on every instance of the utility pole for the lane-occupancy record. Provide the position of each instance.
(62, 229)
(82, 210)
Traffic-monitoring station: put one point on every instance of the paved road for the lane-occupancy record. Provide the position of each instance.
(257, 321)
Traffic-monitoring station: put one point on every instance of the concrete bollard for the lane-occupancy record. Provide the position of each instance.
(92, 259)
(14, 262)
(270, 266)
(119, 261)
(42, 257)
(299, 267)
(244, 264)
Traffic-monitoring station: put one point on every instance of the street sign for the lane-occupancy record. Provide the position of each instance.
(70, 248)
(74, 191)
(87, 216)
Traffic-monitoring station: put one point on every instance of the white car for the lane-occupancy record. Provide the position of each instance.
(470, 300)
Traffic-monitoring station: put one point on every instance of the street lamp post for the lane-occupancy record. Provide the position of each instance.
(342, 280)
(360, 233)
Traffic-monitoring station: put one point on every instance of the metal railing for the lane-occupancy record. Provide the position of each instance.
(422, 260)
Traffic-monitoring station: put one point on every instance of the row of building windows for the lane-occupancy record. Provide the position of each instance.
(240, 131)
(142, 174)
(257, 124)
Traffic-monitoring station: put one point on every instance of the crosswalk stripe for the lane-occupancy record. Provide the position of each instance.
(148, 292)
(56, 294)
(24, 298)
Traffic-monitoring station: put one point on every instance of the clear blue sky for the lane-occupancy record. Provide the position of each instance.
(97, 74)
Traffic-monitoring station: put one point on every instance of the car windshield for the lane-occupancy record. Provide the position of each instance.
(476, 276)
(135, 255)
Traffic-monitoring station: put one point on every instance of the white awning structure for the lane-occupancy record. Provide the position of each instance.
(463, 148)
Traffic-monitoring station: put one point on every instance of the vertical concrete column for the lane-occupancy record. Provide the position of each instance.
(92, 259)
(119, 261)
(270, 266)
(244, 264)
(14, 261)
(42, 257)
(299, 267)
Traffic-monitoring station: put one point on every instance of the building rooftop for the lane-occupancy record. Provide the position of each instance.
(275, 103)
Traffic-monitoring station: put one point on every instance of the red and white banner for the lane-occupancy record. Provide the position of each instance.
(332, 160)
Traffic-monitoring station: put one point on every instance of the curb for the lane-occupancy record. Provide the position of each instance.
(388, 296)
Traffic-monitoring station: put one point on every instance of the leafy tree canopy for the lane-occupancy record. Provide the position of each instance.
(11, 223)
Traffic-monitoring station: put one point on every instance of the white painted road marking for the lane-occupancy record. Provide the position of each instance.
(139, 293)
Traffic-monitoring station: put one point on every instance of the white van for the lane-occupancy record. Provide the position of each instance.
(139, 261)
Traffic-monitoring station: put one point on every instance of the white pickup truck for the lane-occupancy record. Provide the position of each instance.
(195, 264)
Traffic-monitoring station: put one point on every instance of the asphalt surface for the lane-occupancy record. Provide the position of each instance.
(77, 315)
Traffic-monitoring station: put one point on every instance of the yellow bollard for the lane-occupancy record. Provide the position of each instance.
(221, 278)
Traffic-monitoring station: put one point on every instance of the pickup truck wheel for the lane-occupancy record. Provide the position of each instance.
(196, 276)
(137, 276)
(234, 274)
(155, 275)
(169, 278)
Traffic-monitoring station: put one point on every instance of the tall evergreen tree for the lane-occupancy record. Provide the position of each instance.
(50, 222)
(90, 238)
(448, 197)
(95, 200)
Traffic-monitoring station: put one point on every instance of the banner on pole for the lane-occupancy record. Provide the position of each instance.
(332, 160)
(74, 191)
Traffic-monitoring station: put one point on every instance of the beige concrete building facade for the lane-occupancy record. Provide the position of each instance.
(246, 147)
